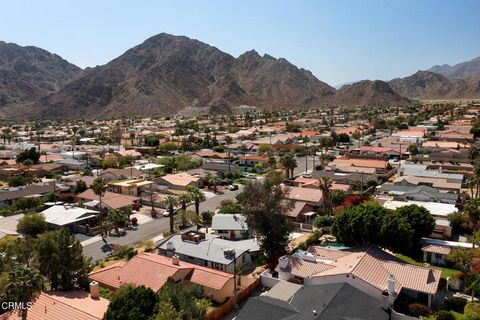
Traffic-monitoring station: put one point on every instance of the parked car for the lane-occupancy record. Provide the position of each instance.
(233, 187)
(249, 175)
(307, 175)
(166, 213)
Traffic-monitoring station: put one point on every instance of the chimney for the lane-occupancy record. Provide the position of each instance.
(176, 260)
(391, 285)
(94, 290)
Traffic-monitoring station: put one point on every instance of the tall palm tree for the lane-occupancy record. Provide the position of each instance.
(472, 210)
(23, 283)
(197, 196)
(184, 199)
(325, 184)
(99, 186)
(171, 202)
(289, 163)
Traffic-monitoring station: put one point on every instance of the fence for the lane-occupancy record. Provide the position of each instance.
(304, 226)
(227, 307)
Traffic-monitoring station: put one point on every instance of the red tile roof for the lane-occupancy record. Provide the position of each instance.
(60, 305)
(370, 264)
(153, 270)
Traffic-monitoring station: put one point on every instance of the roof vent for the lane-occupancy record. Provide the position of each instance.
(282, 262)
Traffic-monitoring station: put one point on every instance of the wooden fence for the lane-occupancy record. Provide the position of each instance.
(227, 307)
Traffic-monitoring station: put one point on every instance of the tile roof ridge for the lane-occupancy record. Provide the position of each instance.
(49, 296)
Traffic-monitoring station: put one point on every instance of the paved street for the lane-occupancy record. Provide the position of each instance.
(211, 204)
(300, 169)
(147, 231)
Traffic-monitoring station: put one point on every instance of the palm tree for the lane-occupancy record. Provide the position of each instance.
(23, 282)
(28, 163)
(325, 184)
(472, 210)
(289, 163)
(472, 183)
(184, 199)
(197, 196)
(117, 217)
(99, 187)
(171, 202)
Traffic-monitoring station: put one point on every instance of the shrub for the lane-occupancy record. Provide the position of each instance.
(323, 221)
(312, 239)
(456, 304)
(134, 221)
(444, 315)
(472, 311)
(419, 310)
(17, 181)
(352, 201)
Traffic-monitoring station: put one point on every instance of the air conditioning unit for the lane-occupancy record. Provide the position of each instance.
(229, 253)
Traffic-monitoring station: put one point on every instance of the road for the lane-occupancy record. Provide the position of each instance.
(147, 231)
(301, 165)
(211, 204)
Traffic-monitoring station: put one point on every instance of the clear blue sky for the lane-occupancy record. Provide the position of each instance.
(338, 40)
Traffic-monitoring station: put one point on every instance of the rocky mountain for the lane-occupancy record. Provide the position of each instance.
(430, 85)
(166, 74)
(29, 73)
(369, 93)
(469, 69)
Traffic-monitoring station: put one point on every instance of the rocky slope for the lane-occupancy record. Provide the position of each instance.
(369, 93)
(166, 73)
(429, 85)
(468, 69)
(29, 73)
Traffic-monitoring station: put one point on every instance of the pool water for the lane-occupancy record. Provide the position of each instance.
(334, 245)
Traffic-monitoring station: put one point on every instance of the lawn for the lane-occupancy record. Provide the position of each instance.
(446, 272)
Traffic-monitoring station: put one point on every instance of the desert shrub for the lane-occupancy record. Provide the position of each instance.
(419, 310)
(456, 304)
(444, 315)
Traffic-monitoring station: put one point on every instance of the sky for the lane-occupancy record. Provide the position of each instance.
(338, 40)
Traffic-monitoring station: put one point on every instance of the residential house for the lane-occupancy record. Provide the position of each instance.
(417, 193)
(131, 187)
(76, 304)
(10, 195)
(441, 184)
(120, 174)
(210, 250)
(251, 160)
(178, 181)
(230, 226)
(435, 254)
(75, 219)
(287, 300)
(153, 271)
(369, 269)
(110, 200)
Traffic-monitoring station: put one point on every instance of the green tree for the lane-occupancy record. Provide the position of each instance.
(228, 206)
(23, 283)
(32, 154)
(264, 149)
(132, 303)
(167, 311)
(80, 186)
(17, 181)
(338, 197)
(32, 224)
(166, 147)
(265, 208)
(419, 219)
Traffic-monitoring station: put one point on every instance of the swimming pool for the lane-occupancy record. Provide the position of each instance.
(334, 245)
